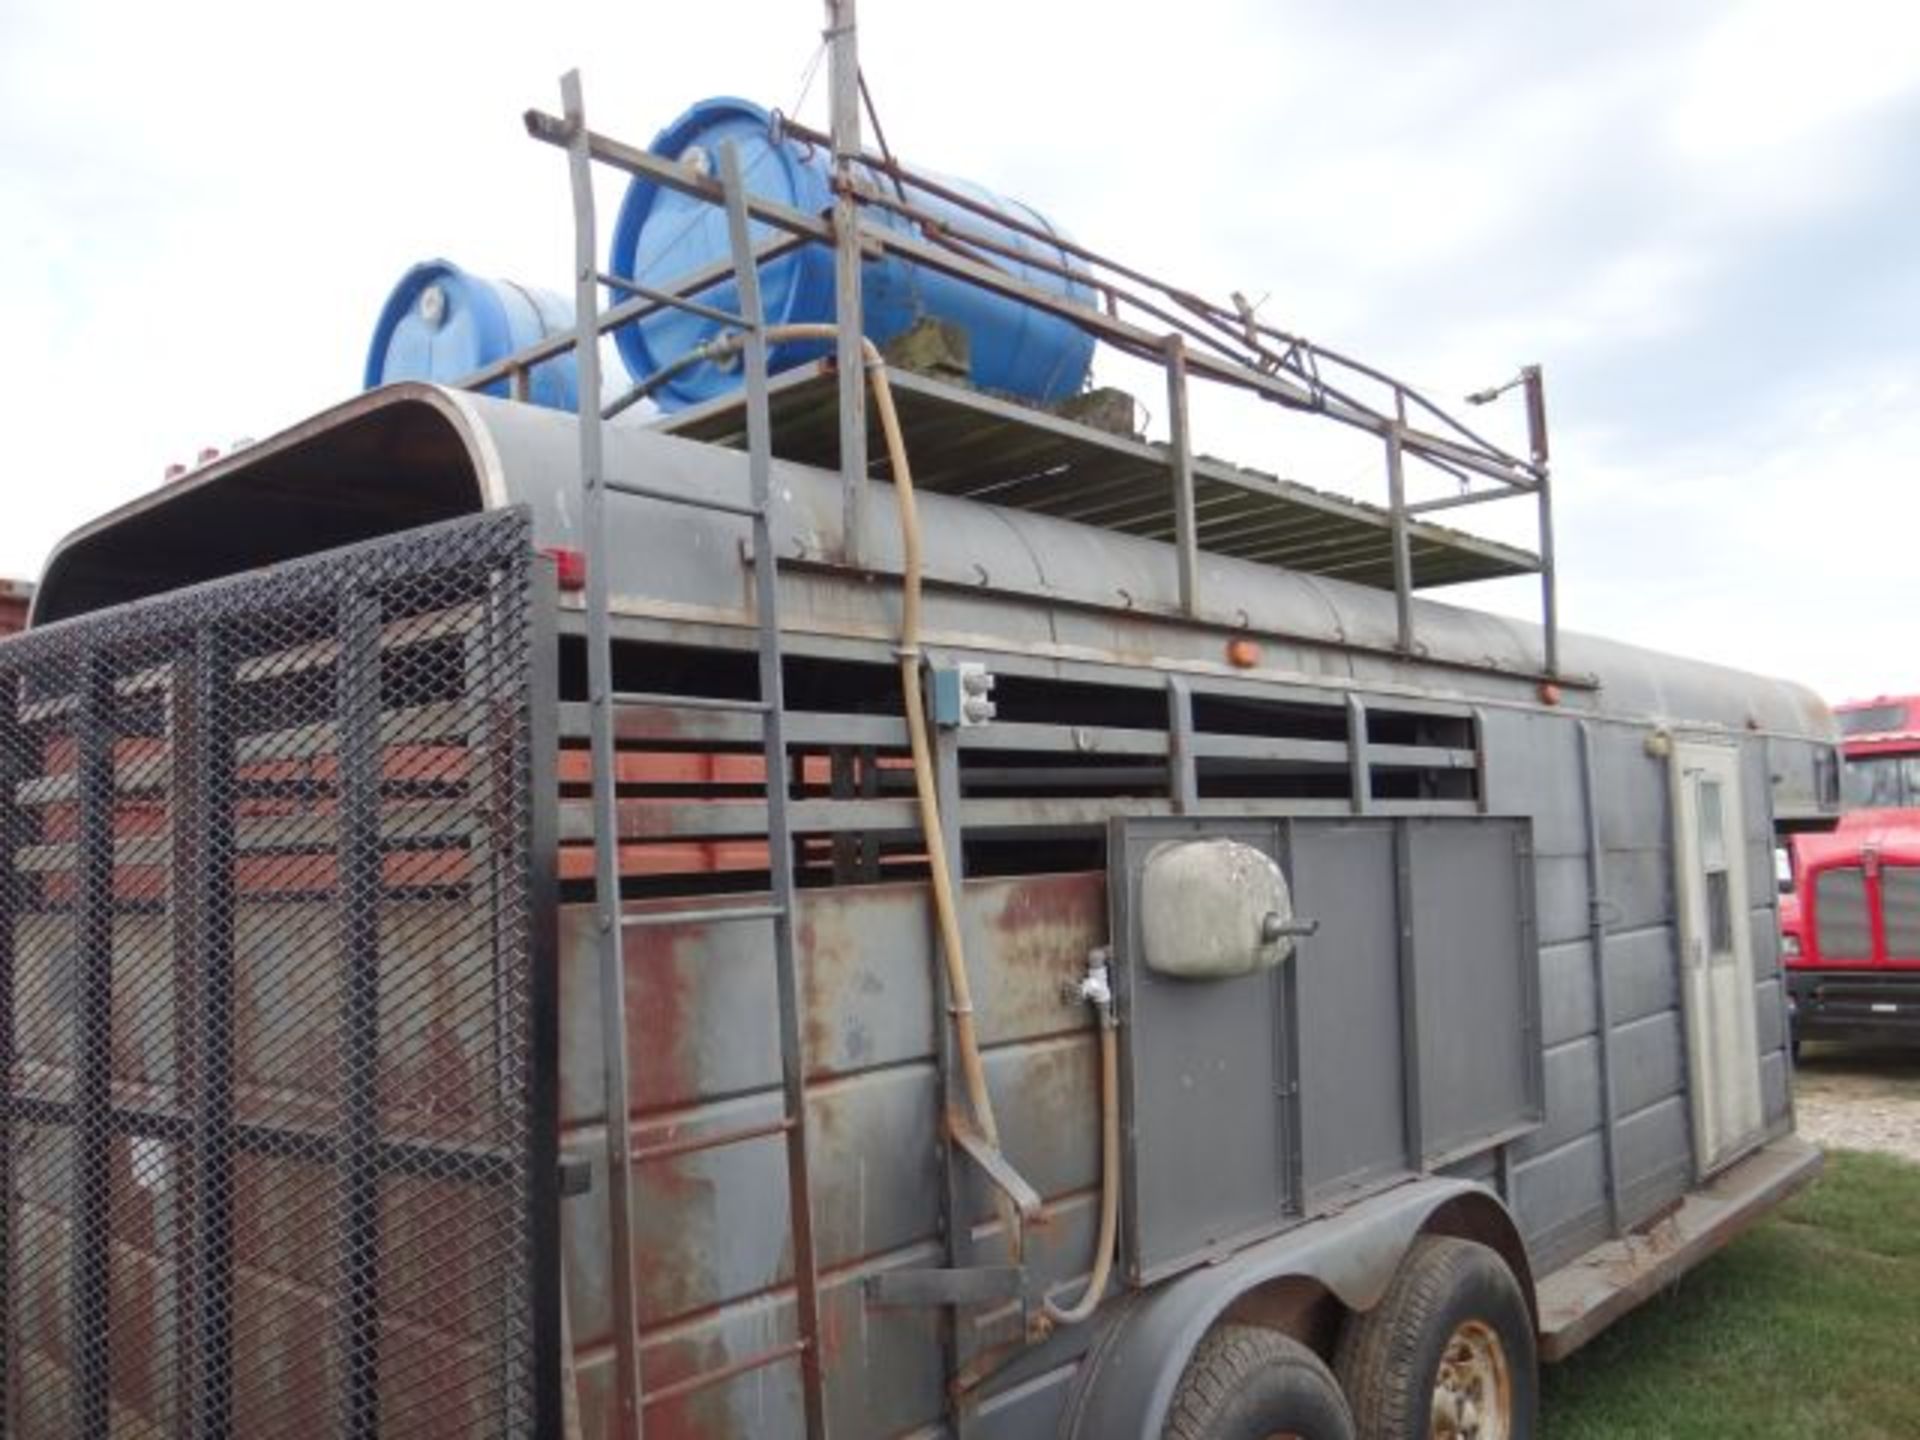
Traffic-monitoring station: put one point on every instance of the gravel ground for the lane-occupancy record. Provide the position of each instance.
(1857, 1097)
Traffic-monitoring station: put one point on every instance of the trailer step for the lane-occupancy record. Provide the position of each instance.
(722, 915)
(1580, 1299)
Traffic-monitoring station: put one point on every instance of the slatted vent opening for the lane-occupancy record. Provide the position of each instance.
(1037, 785)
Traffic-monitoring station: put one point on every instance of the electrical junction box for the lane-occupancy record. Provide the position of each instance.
(963, 695)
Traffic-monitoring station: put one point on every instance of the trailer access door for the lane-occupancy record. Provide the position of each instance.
(1716, 952)
(276, 1120)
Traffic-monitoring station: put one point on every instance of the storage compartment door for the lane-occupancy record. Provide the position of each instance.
(1711, 890)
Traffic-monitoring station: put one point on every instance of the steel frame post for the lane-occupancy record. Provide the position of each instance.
(766, 592)
(1402, 546)
(93, 1046)
(358, 687)
(203, 784)
(1536, 395)
(606, 818)
(552, 1378)
(844, 83)
(12, 836)
(1359, 763)
(1415, 1117)
(956, 1215)
(1182, 765)
(1597, 942)
(1180, 447)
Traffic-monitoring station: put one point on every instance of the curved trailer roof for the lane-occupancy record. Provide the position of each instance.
(411, 454)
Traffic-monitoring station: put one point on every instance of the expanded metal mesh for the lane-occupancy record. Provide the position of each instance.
(266, 916)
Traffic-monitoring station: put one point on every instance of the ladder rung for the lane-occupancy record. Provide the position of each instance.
(667, 297)
(688, 702)
(677, 497)
(713, 1140)
(704, 917)
(726, 1372)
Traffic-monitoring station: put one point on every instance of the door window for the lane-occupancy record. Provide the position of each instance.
(1713, 859)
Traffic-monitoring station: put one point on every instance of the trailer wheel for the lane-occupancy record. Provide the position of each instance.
(1249, 1383)
(1449, 1353)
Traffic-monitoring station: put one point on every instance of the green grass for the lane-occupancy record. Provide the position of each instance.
(1808, 1326)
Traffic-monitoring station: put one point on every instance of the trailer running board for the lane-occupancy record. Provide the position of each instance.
(1580, 1300)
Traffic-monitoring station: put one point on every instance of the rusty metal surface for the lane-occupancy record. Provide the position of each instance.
(272, 1120)
(713, 1267)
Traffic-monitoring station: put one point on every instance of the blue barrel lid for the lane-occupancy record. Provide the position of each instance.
(662, 235)
(440, 323)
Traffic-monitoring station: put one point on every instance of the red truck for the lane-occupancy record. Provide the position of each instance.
(1850, 924)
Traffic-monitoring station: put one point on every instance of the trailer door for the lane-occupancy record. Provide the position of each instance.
(1716, 955)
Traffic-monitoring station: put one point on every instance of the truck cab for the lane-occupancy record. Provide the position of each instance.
(1850, 929)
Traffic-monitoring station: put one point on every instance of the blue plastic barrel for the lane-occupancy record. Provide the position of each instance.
(662, 236)
(442, 324)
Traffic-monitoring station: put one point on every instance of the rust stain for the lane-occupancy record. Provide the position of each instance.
(662, 1016)
(699, 1415)
(831, 964)
(1040, 936)
(815, 955)
(833, 1333)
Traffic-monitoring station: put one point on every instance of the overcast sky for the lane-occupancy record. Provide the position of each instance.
(1702, 219)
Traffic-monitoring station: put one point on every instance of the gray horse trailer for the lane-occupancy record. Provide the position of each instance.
(306, 1101)
(516, 922)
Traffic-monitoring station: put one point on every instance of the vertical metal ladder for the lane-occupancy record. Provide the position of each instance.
(611, 923)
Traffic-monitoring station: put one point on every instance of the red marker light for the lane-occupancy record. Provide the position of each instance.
(569, 567)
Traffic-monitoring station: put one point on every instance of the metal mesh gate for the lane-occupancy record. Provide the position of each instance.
(276, 1154)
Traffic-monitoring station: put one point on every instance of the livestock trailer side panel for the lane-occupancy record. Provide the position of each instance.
(1618, 1147)
(276, 1139)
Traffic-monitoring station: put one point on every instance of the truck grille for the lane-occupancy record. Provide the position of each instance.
(1900, 907)
(272, 1157)
(1843, 929)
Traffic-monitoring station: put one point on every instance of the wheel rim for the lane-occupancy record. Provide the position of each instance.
(1473, 1389)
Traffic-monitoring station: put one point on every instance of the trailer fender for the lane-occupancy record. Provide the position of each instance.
(1126, 1384)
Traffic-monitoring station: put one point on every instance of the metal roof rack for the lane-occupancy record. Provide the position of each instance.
(979, 445)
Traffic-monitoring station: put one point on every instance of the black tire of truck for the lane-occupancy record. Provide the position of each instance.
(1249, 1383)
(1450, 1349)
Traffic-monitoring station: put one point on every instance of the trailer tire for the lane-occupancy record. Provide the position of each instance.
(1456, 1304)
(1245, 1382)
